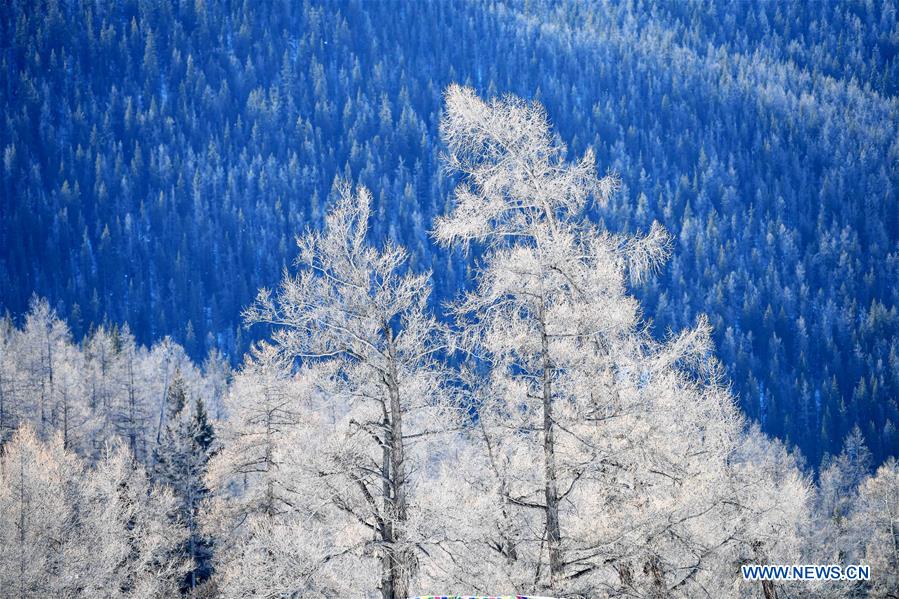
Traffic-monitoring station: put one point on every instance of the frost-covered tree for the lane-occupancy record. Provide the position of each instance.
(875, 527)
(133, 532)
(765, 516)
(94, 391)
(357, 316)
(611, 457)
(264, 407)
(67, 531)
(217, 372)
(274, 531)
(103, 375)
(838, 484)
(524, 316)
(131, 413)
(10, 400)
(837, 535)
(38, 510)
(165, 452)
(43, 342)
(42, 379)
(71, 416)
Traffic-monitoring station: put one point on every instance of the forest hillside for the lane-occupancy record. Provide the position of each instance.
(159, 159)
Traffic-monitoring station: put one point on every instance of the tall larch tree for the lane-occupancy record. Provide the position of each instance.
(636, 440)
(359, 316)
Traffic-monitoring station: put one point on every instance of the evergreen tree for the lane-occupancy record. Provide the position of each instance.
(180, 462)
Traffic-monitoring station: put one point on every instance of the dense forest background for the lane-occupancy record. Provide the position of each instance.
(159, 158)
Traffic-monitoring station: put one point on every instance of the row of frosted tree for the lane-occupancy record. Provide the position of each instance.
(543, 441)
(159, 157)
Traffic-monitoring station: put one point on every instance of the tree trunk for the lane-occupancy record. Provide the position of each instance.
(768, 588)
(653, 567)
(2, 411)
(132, 411)
(399, 561)
(22, 507)
(550, 490)
(507, 543)
(165, 392)
(65, 419)
(895, 546)
(386, 525)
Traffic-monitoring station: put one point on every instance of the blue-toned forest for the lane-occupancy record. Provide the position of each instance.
(159, 158)
(621, 277)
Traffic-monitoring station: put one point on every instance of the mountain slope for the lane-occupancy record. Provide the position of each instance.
(158, 160)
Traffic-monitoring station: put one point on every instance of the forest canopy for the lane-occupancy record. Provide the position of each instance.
(159, 158)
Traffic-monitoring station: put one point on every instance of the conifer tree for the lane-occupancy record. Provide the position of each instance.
(356, 316)
(612, 459)
(180, 462)
(67, 530)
